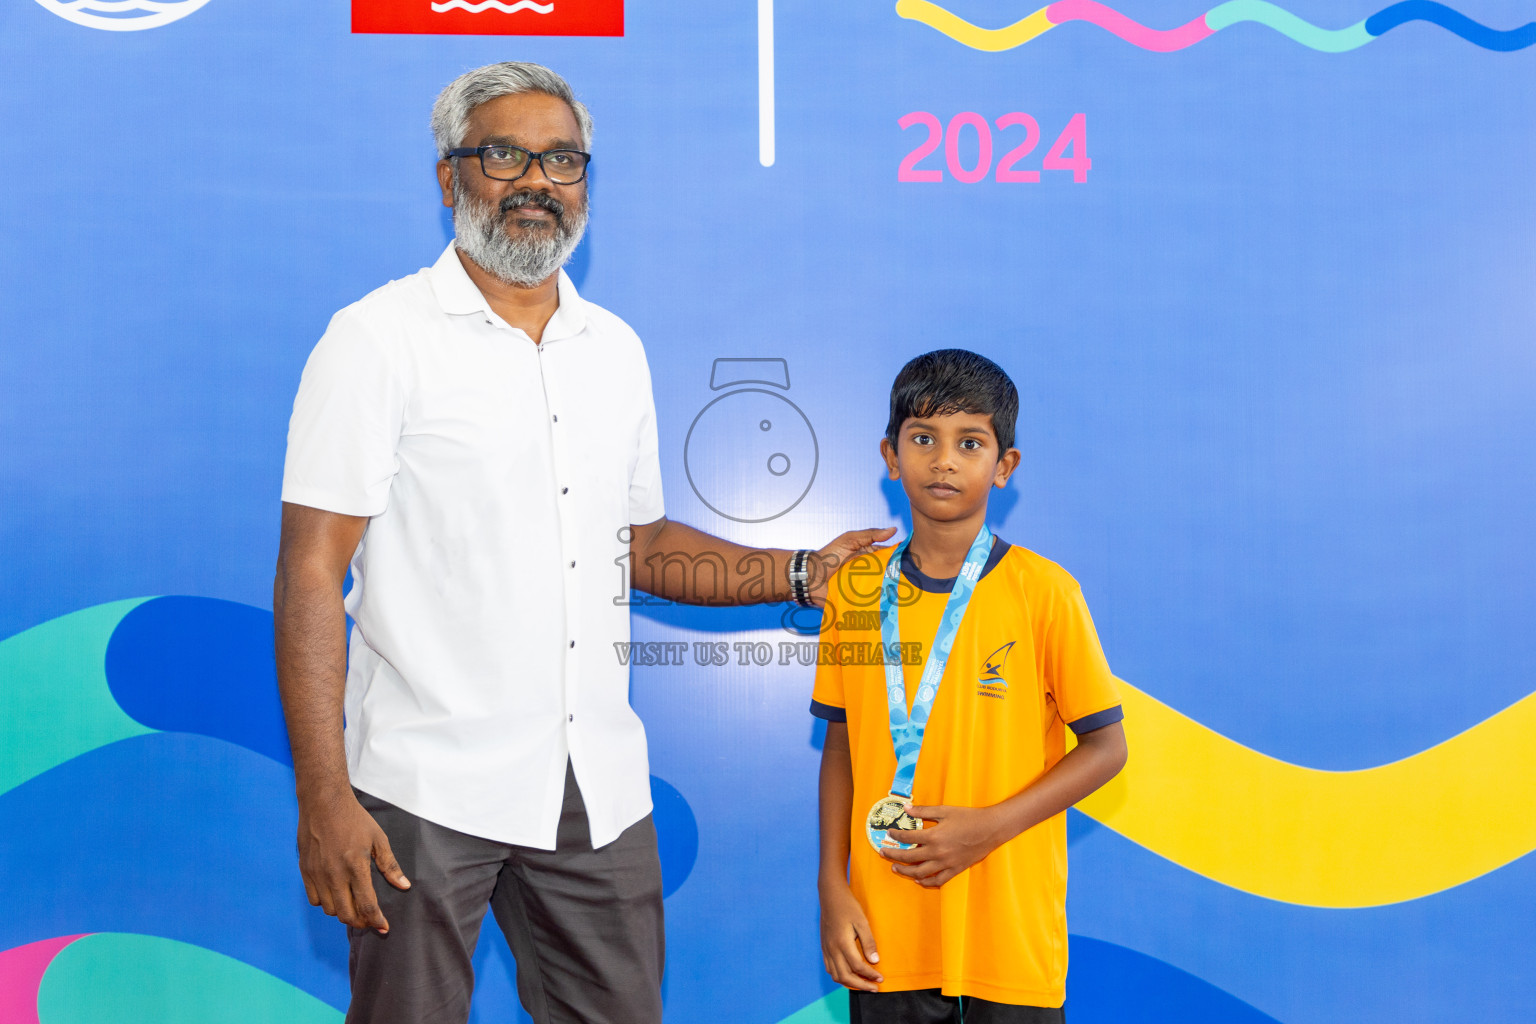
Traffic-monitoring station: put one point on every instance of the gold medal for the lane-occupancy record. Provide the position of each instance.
(889, 814)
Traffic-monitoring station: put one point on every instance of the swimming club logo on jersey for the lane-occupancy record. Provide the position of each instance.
(122, 15)
(992, 683)
(490, 17)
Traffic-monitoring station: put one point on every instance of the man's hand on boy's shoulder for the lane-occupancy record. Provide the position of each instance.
(843, 547)
(958, 838)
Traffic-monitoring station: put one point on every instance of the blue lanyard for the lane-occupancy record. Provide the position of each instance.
(907, 730)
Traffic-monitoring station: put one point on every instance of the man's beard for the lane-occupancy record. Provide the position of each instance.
(524, 256)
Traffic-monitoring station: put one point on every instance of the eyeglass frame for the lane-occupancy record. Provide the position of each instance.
(479, 153)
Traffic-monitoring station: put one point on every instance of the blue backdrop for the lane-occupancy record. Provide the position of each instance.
(1274, 353)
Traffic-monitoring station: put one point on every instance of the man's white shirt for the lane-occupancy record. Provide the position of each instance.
(500, 479)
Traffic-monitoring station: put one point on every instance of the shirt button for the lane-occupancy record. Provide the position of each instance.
(564, 490)
(571, 718)
(573, 565)
(557, 419)
(573, 643)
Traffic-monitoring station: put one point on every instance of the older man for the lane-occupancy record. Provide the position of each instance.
(478, 443)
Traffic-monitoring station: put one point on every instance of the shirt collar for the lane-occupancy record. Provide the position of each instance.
(457, 295)
(934, 585)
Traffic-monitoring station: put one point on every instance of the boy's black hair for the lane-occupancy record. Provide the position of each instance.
(953, 380)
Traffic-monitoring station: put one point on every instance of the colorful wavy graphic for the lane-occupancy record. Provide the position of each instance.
(1380, 835)
(55, 702)
(1108, 982)
(1224, 15)
(186, 665)
(1426, 823)
(142, 979)
(21, 972)
(196, 837)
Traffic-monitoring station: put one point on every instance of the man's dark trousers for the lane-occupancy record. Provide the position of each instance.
(585, 925)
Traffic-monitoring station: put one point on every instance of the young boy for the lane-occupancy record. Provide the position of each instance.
(964, 895)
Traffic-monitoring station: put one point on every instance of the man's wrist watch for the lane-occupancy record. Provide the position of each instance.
(800, 577)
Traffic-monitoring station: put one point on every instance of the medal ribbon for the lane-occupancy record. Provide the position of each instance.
(907, 730)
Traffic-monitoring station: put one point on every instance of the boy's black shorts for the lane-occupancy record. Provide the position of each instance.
(930, 1006)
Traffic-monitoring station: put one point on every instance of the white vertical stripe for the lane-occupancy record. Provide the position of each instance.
(765, 140)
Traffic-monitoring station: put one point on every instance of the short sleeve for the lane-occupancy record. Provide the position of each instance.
(828, 697)
(1077, 675)
(645, 498)
(345, 429)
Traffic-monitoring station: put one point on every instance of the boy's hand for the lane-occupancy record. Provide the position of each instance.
(960, 838)
(847, 944)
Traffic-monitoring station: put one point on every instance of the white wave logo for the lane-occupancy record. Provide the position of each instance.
(122, 15)
(487, 5)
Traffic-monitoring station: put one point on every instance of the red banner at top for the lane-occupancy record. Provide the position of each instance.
(490, 17)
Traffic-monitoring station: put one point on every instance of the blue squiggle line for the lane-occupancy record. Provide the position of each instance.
(1452, 21)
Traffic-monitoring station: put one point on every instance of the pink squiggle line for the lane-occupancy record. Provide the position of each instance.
(1159, 40)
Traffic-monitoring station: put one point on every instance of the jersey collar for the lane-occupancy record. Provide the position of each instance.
(922, 581)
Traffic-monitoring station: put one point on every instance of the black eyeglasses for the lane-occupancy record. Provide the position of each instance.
(508, 163)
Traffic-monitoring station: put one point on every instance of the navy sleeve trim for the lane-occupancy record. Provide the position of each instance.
(1098, 720)
(828, 712)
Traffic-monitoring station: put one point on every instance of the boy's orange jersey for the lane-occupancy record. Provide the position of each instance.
(1026, 663)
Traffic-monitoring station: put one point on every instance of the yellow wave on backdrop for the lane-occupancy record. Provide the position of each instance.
(962, 31)
(1363, 838)
(1400, 831)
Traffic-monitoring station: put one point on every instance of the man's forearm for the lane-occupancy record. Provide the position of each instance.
(679, 563)
(311, 638)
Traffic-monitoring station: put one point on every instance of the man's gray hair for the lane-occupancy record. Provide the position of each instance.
(450, 114)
